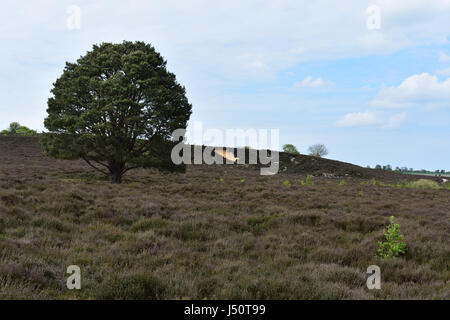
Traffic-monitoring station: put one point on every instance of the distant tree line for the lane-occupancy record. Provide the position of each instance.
(15, 129)
(388, 167)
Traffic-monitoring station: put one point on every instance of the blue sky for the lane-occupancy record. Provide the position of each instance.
(319, 71)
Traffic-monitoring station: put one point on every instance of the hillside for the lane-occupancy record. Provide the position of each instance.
(322, 167)
(327, 167)
(28, 148)
(215, 232)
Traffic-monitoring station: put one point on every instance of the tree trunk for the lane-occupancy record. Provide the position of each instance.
(116, 172)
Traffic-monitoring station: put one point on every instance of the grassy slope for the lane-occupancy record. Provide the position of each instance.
(206, 234)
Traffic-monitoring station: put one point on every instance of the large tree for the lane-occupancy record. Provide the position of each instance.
(116, 108)
(318, 150)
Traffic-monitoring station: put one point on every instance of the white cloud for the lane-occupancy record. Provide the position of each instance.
(356, 119)
(395, 120)
(309, 82)
(205, 43)
(444, 57)
(297, 50)
(286, 32)
(369, 118)
(444, 72)
(253, 63)
(378, 42)
(366, 88)
(417, 90)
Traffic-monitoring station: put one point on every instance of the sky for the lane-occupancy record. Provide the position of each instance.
(369, 79)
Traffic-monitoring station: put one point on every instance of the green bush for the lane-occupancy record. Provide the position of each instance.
(425, 184)
(402, 184)
(342, 183)
(394, 246)
(307, 181)
(24, 131)
(290, 148)
(16, 129)
(287, 183)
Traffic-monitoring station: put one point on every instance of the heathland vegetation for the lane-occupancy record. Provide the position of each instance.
(215, 231)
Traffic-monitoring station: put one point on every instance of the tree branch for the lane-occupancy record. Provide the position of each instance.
(89, 163)
(129, 168)
(101, 163)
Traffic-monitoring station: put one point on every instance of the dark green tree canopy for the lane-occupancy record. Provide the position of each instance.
(116, 108)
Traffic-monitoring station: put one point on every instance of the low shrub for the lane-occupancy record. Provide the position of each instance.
(287, 183)
(425, 184)
(394, 246)
(307, 181)
(131, 287)
(147, 224)
(259, 225)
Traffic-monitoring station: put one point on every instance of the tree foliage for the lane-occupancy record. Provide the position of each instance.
(318, 150)
(394, 245)
(290, 148)
(15, 129)
(116, 108)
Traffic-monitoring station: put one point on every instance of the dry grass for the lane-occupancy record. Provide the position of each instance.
(216, 232)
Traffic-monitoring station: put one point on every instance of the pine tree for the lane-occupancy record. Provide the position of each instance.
(116, 108)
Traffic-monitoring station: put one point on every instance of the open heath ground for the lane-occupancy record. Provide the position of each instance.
(215, 232)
